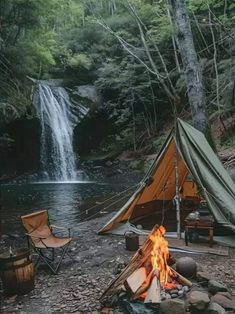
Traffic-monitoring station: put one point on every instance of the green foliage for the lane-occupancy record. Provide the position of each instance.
(54, 38)
(78, 60)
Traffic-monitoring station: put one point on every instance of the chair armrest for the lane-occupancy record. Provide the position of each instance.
(61, 228)
(58, 227)
(32, 236)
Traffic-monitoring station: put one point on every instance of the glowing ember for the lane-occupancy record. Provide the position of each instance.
(159, 257)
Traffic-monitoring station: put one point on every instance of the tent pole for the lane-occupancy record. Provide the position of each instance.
(177, 194)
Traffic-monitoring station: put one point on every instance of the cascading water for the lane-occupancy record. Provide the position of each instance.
(58, 117)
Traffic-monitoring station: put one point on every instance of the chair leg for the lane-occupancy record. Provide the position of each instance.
(53, 254)
(48, 260)
(65, 250)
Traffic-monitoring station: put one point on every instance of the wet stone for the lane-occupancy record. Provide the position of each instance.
(223, 301)
(215, 286)
(215, 308)
(198, 300)
(175, 306)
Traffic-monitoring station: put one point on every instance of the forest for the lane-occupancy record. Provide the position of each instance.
(128, 51)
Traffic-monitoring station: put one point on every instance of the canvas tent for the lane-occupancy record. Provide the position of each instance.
(189, 149)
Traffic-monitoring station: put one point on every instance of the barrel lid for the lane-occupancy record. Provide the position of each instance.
(17, 254)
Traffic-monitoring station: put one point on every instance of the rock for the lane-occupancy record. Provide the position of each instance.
(11, 300)
(198, 300)
(215, 286)
(203, 278)
(185, 288)
(186, 266)
(108, 163)
(175, 306)
(225, 294)
(215, 308)
(223, 301)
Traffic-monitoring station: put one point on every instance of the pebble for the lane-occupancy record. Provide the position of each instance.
(185, 288)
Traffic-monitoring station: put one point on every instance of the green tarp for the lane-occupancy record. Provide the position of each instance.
(215, 183)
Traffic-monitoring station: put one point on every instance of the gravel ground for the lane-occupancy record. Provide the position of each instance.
(96, 260)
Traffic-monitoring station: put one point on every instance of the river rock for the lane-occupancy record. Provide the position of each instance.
(198, 300)
(223, 301)
(225, 294)
(215, 308)
(175, 306)
(203, 278)
(215, 286)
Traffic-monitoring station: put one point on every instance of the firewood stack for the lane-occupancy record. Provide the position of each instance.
(149, 276)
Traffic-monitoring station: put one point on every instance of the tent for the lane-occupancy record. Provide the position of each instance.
(188, 149)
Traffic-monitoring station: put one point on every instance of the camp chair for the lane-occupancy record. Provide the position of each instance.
(41, 238)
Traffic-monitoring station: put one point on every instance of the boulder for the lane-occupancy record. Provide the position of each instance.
(223, 301)
(198, 300)
(215, 308)
(215, 286)
(186, 266)
(175, 306)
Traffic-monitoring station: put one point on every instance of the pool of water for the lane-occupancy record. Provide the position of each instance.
(67, 203)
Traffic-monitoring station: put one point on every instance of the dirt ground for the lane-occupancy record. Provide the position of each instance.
(96, 261)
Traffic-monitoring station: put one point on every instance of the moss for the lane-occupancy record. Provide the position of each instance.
(99, 156)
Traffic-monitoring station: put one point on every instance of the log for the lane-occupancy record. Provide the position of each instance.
(153, 293)
(144, 286)
(135, 280)
(181, 278)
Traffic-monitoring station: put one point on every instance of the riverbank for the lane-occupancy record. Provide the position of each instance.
(96, 262)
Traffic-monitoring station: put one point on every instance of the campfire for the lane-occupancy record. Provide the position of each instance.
(149, 277)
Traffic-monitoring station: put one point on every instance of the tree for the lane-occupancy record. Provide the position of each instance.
(192, 69)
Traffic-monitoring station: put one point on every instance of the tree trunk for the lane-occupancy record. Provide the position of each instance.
(192, 67)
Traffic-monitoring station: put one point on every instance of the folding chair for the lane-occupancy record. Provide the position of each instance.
(41, 238)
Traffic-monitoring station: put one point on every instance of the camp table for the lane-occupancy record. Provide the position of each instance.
(204, 223)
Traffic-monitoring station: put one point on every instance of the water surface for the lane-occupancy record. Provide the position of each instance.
(67, 203)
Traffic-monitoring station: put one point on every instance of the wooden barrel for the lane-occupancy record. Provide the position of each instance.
(17, 272)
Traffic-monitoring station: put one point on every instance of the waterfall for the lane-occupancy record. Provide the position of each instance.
(58, 117)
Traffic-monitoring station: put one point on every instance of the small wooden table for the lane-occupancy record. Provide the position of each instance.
(205, 222)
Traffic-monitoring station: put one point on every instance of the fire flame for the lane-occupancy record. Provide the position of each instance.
(159, 257)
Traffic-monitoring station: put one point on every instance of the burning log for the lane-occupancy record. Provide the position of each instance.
(135, 280)
(181, 279)
(144, 287)
(139, 258)
(154, 291)
(149, 276)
